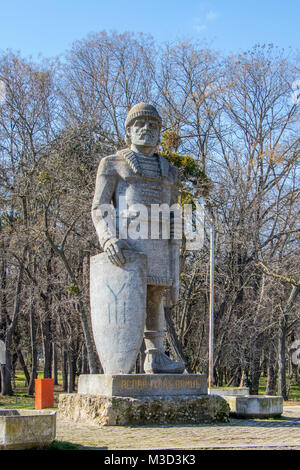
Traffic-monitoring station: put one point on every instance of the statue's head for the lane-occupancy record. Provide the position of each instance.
(143, 125)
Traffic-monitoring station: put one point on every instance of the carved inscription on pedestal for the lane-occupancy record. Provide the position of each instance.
(158, 383)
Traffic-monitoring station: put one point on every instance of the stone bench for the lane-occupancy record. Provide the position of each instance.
(255, 406)
(26, 429)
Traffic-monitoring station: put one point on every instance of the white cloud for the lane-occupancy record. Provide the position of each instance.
(200, 27)
(211, 15)
(201, 23)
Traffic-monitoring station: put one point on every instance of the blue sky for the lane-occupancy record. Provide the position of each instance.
(50, 27)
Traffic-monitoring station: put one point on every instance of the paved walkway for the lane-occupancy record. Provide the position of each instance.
(281, 433)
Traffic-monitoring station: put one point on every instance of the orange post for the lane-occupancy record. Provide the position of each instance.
(44, 393)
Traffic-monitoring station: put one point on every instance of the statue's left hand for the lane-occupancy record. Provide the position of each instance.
(113, 248)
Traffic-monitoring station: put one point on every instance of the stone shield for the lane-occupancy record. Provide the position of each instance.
(118, 309)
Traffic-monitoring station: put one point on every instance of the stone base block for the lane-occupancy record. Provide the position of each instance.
(228, 391)
(142, 385)
(255, 406)
(126, 411)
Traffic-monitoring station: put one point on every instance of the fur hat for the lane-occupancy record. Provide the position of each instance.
(142, 110)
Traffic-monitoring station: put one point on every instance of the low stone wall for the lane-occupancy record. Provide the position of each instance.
(255, 406)
(122, 411)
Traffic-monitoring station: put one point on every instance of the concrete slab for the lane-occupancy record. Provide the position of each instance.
(142, 385)
(255, 406)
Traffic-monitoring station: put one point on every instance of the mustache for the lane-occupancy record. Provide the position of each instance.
(145, 133)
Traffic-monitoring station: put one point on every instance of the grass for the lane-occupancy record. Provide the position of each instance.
(63, 445)
(20, 399)
(294, 391)
(59, 445)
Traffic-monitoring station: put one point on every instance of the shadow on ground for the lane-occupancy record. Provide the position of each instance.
(65, 445)
(286, 421)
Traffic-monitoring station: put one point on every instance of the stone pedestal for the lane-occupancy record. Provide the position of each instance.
(127, 411)
(141, 399)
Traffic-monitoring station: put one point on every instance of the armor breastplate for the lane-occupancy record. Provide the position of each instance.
(143, 181)
(147, 182)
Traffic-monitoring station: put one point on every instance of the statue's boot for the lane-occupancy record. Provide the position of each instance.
(156, 361)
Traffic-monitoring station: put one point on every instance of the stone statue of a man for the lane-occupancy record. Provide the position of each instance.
(132, 179)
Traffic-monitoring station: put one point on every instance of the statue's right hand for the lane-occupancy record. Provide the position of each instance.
(114, 250)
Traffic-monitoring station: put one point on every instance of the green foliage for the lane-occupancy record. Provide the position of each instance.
(194, 180)
(43, 177)
(73, 289)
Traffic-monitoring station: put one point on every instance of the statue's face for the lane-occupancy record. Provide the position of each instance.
(144, 132)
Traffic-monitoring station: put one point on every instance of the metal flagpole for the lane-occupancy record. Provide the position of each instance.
(211, 305)
(210, 218)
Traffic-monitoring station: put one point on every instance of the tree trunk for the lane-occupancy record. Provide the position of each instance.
(271, 374)
(55, 368)
(34, 353)
(71, 369)
(4, 321)
(23, 365)
(173, 341)
(64, 369)
(84, 362)
(6, 386)
(88, 338)
(255, 371)
(282, 391)
(47, 357)
(237, 377)
(7, 376)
